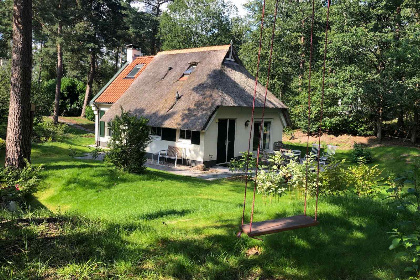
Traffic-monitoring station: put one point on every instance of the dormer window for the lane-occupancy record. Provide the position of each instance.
(134, 71)
(188, 72)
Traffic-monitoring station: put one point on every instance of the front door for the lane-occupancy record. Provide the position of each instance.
(225, 140)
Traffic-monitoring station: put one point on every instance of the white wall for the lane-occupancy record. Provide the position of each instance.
(193, 152)
(103, 107)
(241, 115)
(207, 150)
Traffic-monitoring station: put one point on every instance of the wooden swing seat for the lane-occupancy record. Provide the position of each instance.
(279, 225)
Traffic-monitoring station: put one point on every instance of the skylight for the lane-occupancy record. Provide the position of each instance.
(190, 69)
(134, 71)
(187, 72)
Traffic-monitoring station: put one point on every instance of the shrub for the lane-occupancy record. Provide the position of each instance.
(334, 178)
(89, 114)
(130, 137)
(17, 183)
(360, 154)
(406, 237)
(47, 131)
(364, 179)
(271, 183)
(239, 163)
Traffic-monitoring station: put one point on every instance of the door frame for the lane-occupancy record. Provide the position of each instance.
(227, 139)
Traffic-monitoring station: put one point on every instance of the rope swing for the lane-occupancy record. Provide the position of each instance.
(277, 225)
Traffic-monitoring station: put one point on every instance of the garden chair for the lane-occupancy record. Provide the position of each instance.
(172, 153)
(313, 154)
(330, 153)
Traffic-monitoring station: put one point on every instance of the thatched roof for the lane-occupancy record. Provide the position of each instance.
(214, 83)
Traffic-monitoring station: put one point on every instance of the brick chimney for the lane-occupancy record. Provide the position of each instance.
(132, 53)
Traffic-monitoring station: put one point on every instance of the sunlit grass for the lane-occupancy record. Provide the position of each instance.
(161, 226)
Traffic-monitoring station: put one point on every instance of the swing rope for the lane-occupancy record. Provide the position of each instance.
(309, 116)
(261, 128)
(309, 105)
(322, 105)
(253, 111)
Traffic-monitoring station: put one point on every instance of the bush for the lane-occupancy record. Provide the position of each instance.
(364, 179)
(90, 115)
(334, 178)
(18, 183)
(360, 154)
(406, 235)
(130, 137)
(47, 131)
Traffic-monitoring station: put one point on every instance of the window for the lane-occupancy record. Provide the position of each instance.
(101, 124)
(195, 137)
(134, 71)
(156, 131)
(265, 136)
(185, 134)
(188, 72)
(169, 134)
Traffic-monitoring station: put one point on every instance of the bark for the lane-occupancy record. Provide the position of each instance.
(59, 75)
(91, 76)
(18, 139)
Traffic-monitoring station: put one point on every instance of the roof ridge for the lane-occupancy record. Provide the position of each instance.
(200, 49)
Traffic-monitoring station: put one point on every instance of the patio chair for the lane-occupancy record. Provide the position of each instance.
(313, 155)
(328, 154)
(172, 153)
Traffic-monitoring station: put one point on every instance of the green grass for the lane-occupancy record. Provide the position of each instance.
(110, 224)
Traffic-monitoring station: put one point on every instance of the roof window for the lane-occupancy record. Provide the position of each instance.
(188, 72)
(134, 71)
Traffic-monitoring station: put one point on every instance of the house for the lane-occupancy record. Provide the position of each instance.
(198, 99)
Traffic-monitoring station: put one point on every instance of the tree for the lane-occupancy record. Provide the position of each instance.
(197, 23)
(18, 140)
(100, 26)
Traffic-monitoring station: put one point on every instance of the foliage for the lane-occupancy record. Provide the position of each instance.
(361, 154)
(335, 178)
(406, 236)
(240, 163)
(4, 96)
(18, 183)
(72, 95)
(2, 144)
(90, 115)
(5, 27)
(130, 137)
(188, 24)
(96, 152)
(271, 183)
(363, 179)
(47, 131)
(372, 62)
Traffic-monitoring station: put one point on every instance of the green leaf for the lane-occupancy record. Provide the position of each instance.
(395, 243)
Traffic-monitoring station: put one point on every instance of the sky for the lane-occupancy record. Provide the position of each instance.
(239, 4)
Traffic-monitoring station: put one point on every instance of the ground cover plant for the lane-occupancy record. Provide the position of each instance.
(91, 221)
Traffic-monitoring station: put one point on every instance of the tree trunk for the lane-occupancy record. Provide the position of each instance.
(416, 123)
(91, 75)
(18, 139)
(59, 75)
(379, 128)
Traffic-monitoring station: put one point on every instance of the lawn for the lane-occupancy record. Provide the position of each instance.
(89, 220)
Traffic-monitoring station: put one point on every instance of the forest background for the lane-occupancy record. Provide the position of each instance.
(373, 58)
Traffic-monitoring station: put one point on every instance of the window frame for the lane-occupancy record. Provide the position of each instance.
(132, 76)
(264, 145)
